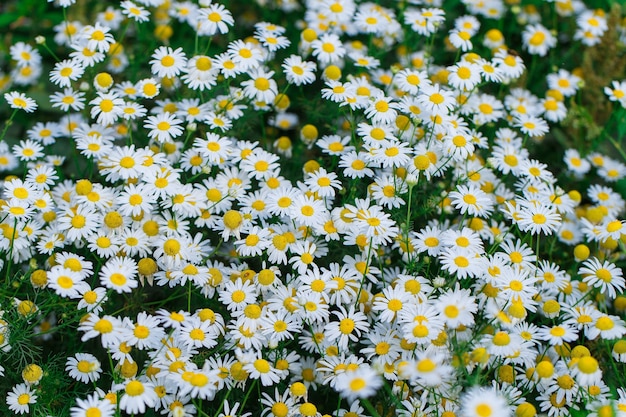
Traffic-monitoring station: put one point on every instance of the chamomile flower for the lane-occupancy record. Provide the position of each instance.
(261, 87)
(168, 62)
(20, 398)
(617, 92)
(119, 274)
(137, 395)
(360, 383)
(328, 49)
(538, 40)
(163, 127)
(510, 65)
(538, 218)
(19, 101)
(98, 37)
(28, 150)
(298, 71)
(472, 200)
(603, 275)
(134, 11)
(65, 72)
(83, 367)
(68, 99)
(107, 108)
(484, 401)
(532, 126)
(214, 19)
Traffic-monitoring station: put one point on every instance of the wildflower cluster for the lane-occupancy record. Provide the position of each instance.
(329, 207)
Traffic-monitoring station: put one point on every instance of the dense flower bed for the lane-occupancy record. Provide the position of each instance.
(306, 208)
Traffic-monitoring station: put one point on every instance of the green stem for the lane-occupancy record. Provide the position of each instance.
(7, 124)
(369, 407)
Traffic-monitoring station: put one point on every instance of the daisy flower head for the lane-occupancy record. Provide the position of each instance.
(509, 64)
(617, 92)
(137, 395)
(360, 383)
(19, 101)
(461, 262)
(538, 40)
(261, 86)
(484, 402)
(603, 275)
(539, 218)
(107, 108)
(472, 200)
(298, 71)
(119, 274)
(168, 62)
(163, 127)
(564, 81)
(65, 72)
(424, 21)
(328, 49)
(322, 182)
(435, 99)
(20, 398)
(134, 11)
(83, 367)
(586, 371)
(68, 99)
(98, 37)
(214, 19)
(28, 150)
(93, 406)
(533, 126)
(461, 39)
(381, 109)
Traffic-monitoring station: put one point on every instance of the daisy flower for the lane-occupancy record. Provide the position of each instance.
(83, 367)
(461, 39)
(119, 274)
(163, 127)
(360, 383)
(135, 12)
(472, 200)
(65, 72)
(68, 99)
(435, 99)
(586, 371)
(328, 49)
(168, 62)
(322, 182)
(137, 395)
(107, 108)
(98, 37)
(28, 150)
(537, 39)
(532, 126)
(381, 109)
(298, 71)
(19, 101)
(261, 86)
(484, 401)
(245, 55)
(20, 398)
(539, 218)
(508, 64)
(461, 262)
(617, 92)
(603, 275)
(93, 406)
(214, 19)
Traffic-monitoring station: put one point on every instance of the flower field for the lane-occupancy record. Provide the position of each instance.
(312, 208)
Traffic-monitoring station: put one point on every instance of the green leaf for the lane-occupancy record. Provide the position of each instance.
(7, 18)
